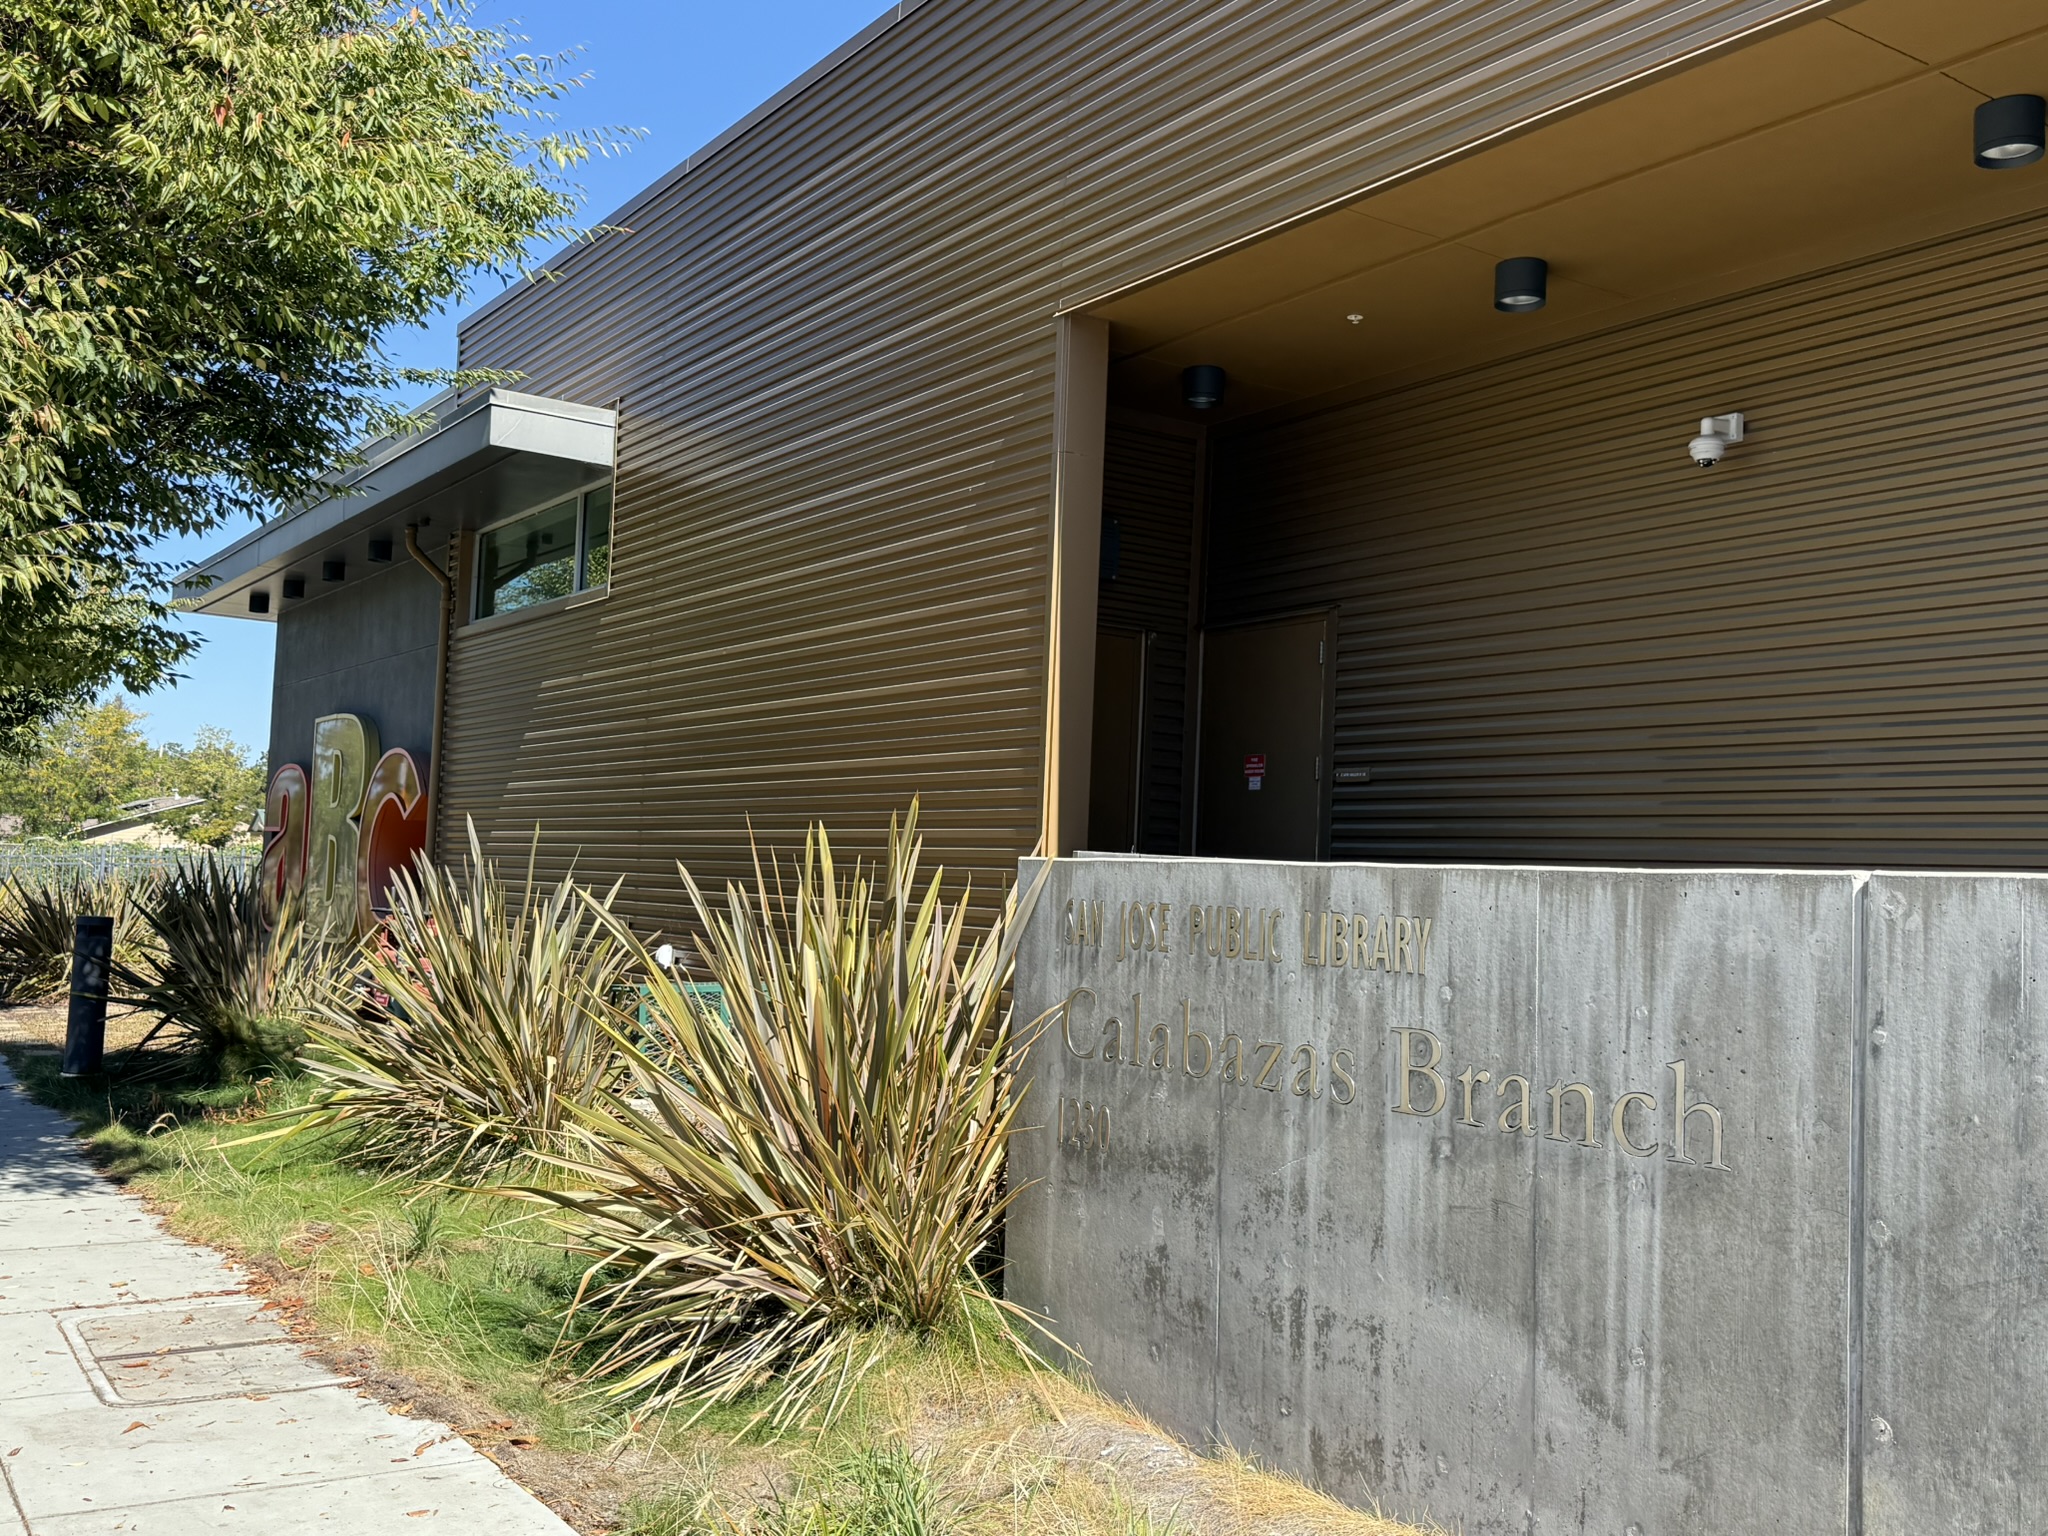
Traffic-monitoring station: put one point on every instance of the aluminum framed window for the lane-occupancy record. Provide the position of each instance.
(545, 554)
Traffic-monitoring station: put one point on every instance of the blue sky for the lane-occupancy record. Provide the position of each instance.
(684, 70)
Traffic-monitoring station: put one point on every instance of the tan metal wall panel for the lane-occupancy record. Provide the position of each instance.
(1206, 122)
(834, 338)
(1149, 489)
(1560, 641)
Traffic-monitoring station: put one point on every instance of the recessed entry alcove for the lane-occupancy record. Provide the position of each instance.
(1433, 581)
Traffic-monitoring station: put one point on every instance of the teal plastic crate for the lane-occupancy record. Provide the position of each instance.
(705, 991)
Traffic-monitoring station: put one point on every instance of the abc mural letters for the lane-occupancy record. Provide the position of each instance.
(333, 839)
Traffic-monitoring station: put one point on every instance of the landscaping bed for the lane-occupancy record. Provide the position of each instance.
(449, 1303)
(697, 1240)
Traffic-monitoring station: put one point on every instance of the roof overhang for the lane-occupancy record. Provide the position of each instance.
(1811, 147)
(487, 455)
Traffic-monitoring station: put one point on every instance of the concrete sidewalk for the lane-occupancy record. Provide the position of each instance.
(143, 1390)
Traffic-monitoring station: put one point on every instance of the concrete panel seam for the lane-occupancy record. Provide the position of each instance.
(1859, 1061)
(1216, 1328)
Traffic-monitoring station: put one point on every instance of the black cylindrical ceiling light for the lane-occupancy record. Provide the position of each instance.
(1202, 386)
(259, 601)
(380, 551)
(294, 586)
(1521, 285)
(2011, 132)
(333, 570)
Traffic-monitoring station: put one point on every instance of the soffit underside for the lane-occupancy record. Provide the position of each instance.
(1810, 148)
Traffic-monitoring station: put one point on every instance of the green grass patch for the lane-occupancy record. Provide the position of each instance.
(124, 1117)
(462, 1290)
(870, 1491)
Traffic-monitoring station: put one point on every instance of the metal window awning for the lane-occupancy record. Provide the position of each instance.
(489, 453)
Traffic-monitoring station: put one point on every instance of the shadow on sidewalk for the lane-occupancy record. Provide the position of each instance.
(113, 1113)
(37, 1151)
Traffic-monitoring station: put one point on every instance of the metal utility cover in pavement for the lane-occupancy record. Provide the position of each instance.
(190, 1350)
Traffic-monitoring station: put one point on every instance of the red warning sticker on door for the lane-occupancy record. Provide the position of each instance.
(1254, 769)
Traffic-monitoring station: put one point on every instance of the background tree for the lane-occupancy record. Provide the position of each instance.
(90, 761)
(93, 759)
(227, 774)
(210, 212)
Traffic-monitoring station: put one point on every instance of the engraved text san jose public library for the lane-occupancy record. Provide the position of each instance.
(1681, 1125)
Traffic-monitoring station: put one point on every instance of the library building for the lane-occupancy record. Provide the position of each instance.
(1563, 486)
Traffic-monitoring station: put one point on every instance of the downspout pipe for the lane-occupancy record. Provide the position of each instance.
(446, 583)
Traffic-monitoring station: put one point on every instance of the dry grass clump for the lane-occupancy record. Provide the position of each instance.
(770, 1194)
(974, 1450)
(473, 1021)
(1016, 1454)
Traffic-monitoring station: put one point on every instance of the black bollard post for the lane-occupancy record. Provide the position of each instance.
(92, 956)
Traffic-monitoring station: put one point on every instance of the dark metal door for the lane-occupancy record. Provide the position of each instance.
(1117, 748)
(1263, 691)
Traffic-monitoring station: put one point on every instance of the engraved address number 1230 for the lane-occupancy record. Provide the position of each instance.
(1083, 1124)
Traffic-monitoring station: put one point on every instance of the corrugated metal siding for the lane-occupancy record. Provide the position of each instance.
(834, 344)
(1148, 488)
(1560, 641)
(1199, 123)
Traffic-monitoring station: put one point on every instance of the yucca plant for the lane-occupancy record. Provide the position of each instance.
(476, 1018)
(39, 921)
(768, 1197)
(231, 988)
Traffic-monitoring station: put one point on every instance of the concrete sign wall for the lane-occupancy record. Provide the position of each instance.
(1531, 1199)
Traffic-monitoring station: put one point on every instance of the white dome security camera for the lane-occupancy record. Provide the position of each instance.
(1716, 433)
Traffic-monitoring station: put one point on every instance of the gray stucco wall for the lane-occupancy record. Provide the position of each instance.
(366, 649)
(1524, 1332)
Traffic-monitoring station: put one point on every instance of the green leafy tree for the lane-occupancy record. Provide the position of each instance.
(90, 761)
(210, 212)
(93, 759)
(228, 775)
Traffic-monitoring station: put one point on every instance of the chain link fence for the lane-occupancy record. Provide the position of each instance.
(43, 861)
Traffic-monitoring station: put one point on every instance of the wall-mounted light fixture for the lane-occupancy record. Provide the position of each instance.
(2011, 132)
(294, 586)
(380, 551)
(1521, 285)
(1716, 433)
(333, 570)
(259, 601)
(1202, 386)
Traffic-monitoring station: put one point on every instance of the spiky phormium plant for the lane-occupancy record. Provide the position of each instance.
(770, 1195)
